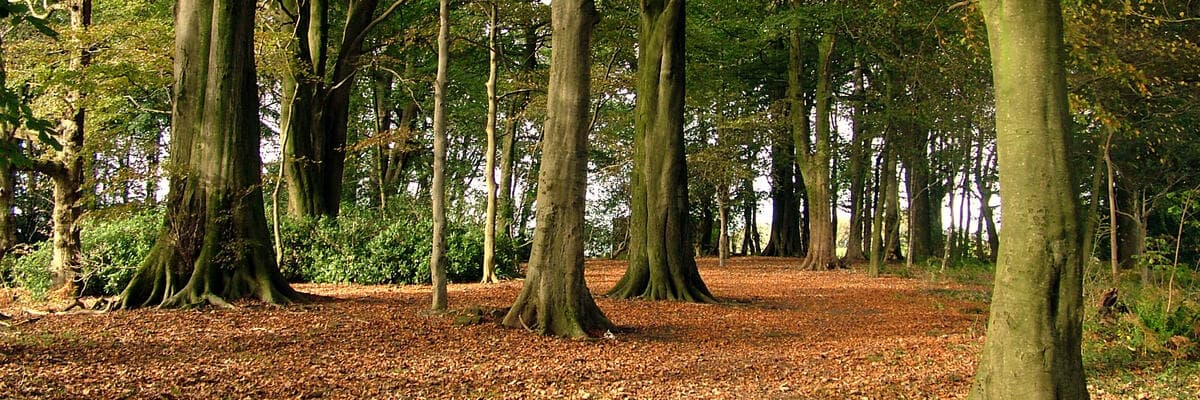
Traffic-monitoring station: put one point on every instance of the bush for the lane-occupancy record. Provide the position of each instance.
(114, 244)
(27, 267)
(376, 247)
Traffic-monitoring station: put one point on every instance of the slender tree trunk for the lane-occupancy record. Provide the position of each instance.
(554, 299)
(891, 205)
(214, 246)
(662, 265)
(859, 153)
(1034, 332)
(489, 230)
(723, 218)
(437, 262)
(508, 145)
(884, 186)
(814, 156)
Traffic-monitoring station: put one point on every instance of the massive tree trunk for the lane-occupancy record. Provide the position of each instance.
(785, 238)
(859, 154)
(662, 265)
(317, 120)
(214, 246)
(437, 260)
(555, 299)
(814, 156)
(1034, 330)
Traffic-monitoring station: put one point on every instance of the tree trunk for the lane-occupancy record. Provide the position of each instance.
(814, 156)
(920, 208)
(489, 229)
(214, 246)
(1032, 349)
(785, 220)
(508, 145)
(67, 168)
(704, 244)
(750, 240)
(723, 218)
(859, 153)
(554, 299)
(8, 177)
(884, 185)
(437, 262)
(315, 163)
(662, 265)
(891, 205)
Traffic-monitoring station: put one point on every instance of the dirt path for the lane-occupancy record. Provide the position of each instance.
(784, 334)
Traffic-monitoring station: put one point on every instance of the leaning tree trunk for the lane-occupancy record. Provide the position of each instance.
(555, 299)
(814, 156)
(1034, 330)
(662, 265)
(214, 246)
(785, 238)
(437, 258)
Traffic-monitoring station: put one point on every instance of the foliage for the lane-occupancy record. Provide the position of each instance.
(368, 246)
(114, 244)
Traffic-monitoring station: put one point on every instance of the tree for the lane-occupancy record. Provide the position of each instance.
(1034, 330)
(214, 246)
(661, 261)
(489, 172)
(555, 299)
(437, 262)
(814, 152)
(319, 101)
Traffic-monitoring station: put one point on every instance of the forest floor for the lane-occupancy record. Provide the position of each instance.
(781, 333)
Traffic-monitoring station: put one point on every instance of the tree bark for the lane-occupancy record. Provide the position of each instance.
(489, 230)
(859, 150)
(1034, 332)
(437, 262)
(8, 177)
(920, 208)
(66, 170)
(214, 246)
(554, 299)
(814, 154)
(750, 239)
(315, 163)
(785, 238)
(662, 265)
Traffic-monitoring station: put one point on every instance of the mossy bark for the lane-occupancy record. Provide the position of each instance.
(66, 169)
(214, 246)
(662, 264)
(489, 230)
(1034, 332)
(554, 299)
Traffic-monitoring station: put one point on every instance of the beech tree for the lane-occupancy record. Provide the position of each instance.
(214, 246)
(554, 299)
(1034, 330)
(437, 261)
(814, 151)
(662, 265)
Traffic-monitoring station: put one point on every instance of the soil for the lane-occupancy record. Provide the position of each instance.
(780, 333)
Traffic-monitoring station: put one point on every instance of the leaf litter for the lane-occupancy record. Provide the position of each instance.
(780, 333)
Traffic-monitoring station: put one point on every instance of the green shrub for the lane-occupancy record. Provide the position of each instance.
(376, 247)
(28, 268)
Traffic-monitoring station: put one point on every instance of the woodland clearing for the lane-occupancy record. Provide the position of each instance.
(780, 333)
